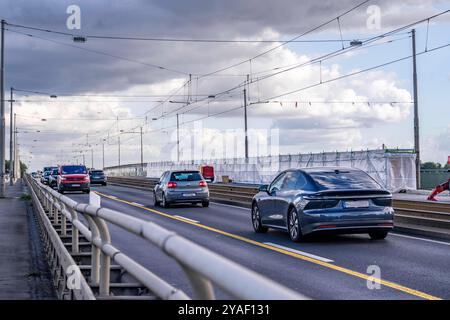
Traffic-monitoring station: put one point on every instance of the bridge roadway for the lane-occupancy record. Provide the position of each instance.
(332, 267)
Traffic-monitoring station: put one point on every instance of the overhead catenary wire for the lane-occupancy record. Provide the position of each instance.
(355, 73)
(156, 39)
(342, 51)
(288, 41)
(308, 87)
(331, 79)
(100, 52)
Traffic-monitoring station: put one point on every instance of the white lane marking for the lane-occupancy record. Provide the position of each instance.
(416, 238)
(184, 218)
(138, 204)
(299, 252)
(229, 205)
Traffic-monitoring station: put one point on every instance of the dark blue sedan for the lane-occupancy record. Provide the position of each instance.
(323, 200)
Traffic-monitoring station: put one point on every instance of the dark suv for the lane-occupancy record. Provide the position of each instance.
(97, 177)
(73, 178)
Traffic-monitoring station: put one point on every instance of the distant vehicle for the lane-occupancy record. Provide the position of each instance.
(207, 173)
(181, 187)
(323, 200)
(52, 178)
(73, 178)
(49, 168)
(34, 174)
(44, 177)
(97, 177)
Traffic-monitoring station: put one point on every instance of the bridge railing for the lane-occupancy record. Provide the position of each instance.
(63, 218)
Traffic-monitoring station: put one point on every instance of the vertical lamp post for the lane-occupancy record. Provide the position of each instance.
(12, 160)
(245, 124)
(416, 111)
(2, 111)
(103, 153)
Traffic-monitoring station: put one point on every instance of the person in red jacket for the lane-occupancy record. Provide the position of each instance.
(439, 188)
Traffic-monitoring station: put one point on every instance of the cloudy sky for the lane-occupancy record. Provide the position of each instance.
(102, 80)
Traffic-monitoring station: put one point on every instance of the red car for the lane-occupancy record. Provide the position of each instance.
(73, 178)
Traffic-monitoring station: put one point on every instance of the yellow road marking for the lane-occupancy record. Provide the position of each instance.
(286, 252)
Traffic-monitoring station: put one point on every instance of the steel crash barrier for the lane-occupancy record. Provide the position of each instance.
(86, 265)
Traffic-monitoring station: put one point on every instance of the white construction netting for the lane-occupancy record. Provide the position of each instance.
(394, 169)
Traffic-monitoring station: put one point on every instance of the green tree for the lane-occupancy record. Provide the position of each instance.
(430, 165)
(23, 167)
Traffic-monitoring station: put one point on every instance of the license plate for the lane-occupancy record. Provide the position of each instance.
(188, 194)
(356, 204)
(75, 185)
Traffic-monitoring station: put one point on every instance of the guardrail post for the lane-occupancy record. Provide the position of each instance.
(45, 201)
(75, 238)
(54, 211)
(62, 207)
(95, 251)
(203, 289)
(105, 264)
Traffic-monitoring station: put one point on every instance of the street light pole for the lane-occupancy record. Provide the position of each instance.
(142, 151)
(103, 153)
(245, 124)
(2, 111)
(178, 139)
(12, 160)
(119, 149)
(16, 153)
(416, 112)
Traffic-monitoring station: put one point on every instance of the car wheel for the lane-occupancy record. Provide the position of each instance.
(60, 191)
(205, 204)
(295, 232)
(155, 200)
(378, 235)
(87, 191)
(164, 202)
(256, 220)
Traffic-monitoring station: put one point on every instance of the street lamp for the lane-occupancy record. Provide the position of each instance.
(79, 39)
(356, 43)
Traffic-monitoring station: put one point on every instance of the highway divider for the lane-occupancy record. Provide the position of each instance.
(86, 265)
(426, 218)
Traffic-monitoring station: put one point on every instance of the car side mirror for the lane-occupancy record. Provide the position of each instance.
(263, 188)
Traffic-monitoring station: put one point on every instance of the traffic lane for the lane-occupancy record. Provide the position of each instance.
(144, 252)
(310, 279)
(417, 264)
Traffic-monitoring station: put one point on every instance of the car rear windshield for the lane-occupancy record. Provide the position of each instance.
(73, 170)
(54, 171)
(97, 172)
(185, 176)
(344, 180)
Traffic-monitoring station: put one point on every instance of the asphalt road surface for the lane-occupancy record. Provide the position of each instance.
(331, 267)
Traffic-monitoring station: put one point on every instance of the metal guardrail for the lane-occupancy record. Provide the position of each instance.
(410, 214)
(62, 218)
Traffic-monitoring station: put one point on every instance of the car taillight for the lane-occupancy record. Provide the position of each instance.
(202, 184)
(321, 204)
(171, 185)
